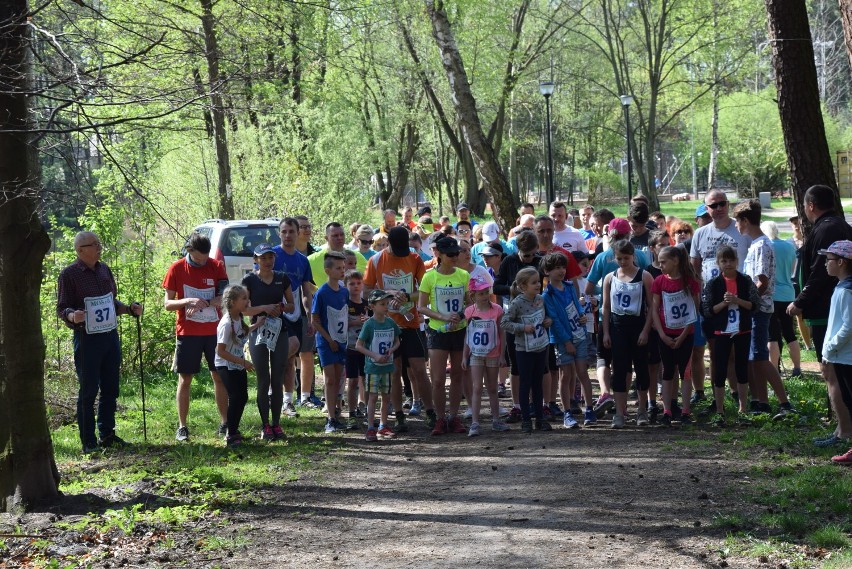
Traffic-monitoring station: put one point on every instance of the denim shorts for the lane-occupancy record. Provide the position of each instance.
(759, 351)
(564, 358)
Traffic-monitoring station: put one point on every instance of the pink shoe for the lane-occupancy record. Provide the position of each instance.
(844, 459)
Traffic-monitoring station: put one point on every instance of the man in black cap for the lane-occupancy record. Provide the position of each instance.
(463, 214)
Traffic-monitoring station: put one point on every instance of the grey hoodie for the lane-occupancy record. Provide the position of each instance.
(520, 313)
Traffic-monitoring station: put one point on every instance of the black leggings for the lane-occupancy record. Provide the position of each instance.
(533, 366)
(270, 368)
(623, 333)
(722, 345)
(844, 380)
(675, 359)
(236, 383)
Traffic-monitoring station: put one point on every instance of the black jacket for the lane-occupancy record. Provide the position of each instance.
(714, 293)
(509, 268)
(817, 285)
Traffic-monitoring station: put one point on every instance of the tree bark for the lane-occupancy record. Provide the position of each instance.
(846, 17)
(28, 472)
(217, 110)
(808, 156)
(496, 183)
(714, 142)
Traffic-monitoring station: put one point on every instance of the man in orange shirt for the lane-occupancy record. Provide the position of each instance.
(399, 271)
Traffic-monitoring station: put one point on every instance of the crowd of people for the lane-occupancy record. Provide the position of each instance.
(416, 316)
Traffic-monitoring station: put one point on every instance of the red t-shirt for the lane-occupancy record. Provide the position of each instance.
(386, 271)
(196, 282)
(573, 271)
(663, 284)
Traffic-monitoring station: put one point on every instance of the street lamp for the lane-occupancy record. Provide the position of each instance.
(626, 100)
(546, 89)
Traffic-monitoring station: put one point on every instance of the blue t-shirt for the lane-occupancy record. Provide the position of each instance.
(476, 251)
(379, 337)
(296, 266)
(605, 264)
(785, 260)
(333, 309)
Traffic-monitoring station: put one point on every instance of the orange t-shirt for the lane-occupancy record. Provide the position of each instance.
(386, 271)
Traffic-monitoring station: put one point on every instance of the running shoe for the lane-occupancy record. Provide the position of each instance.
(371, 435)
(844, 459)
(653, 413)
(696, 397)
(797, 372)
(456, 425)
(569, 422)
(676, 410)
(642, 418)
(278, 432)
(222, 431)
(542, 426)
(289, 410)
(182, 434)
(408, 403)
(468, 414)
(555, 410)
(112, 440)
(589, 418)
(784, 410)
(234, 441)
(709, 410)
(474, 430)
(401, 426)
(500, 426)
(430, 419)
(546, 413)
(316, 401)
(501, 391)
(330, 426)
(306, 403)
(718, 420)
(266, 434)
(515, 416)
(743, 419)
(685, 418)
(666, 419)
(829, 441)
(617, 421)
(385, 433)
(440, 426)
(352, 424)
(526, 427)
(416, 408)
(604, 403)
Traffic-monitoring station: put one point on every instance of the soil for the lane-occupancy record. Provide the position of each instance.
(590, 497)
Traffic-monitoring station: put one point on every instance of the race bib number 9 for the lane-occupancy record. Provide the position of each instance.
(100, 313)
(733, 323)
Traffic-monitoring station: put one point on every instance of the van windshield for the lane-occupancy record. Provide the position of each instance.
(240, 242)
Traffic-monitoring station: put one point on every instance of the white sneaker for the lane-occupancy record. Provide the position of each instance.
(642, 418)
(289, 410)
(474, 430)
(569, 422)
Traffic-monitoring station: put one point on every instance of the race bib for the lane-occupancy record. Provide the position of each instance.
(404, 282)
(481, 337)
(297, 306)
(450, 299)
(679, 309)
(209, 314)
(590, 317)
(100, 313)
(382, 341)
(267, 335)
(625, 298)
(733, 323)
(709, 269)
(338, 320)
(578, 332)
(537, 339)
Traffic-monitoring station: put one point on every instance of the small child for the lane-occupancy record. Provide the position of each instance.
(484, 349)
(330, 317)
(231, 336)
(567, 334)
(381, 334)
(526, 319)
(727, 302)
(837, 349)
(357, 308)
(350, 260)
(626, 327)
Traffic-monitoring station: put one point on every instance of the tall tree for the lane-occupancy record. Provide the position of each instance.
(808, 156)
(27, 469)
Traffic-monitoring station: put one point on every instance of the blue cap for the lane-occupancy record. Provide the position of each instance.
(701, 210)
(263, 248)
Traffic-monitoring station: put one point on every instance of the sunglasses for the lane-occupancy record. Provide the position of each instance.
(464, 231)
(366, 241)
(717, 205)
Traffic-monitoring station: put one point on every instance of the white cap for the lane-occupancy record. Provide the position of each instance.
(490, 232)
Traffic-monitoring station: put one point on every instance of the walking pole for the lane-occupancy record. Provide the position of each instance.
(141, 375)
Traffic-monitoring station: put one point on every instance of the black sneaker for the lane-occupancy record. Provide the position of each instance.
(113, 440)
(653, 413)
(400, 427)
(431, 417)
(718, 420)
(676, 410)
(784, 410)
(709, 410)
(543, 426)
(182, 434)
(764, 409)
(685, 419)
(222, 431)
(696, 397)
(515, 416)
(666, 419)
(526, 427)
(91, 448)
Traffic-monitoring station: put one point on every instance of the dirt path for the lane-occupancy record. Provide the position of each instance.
(587, 498)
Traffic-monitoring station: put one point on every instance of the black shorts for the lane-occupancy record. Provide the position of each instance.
(448, 341)
(412, 345)
(188, 353)
(551, 358)
(307, 342)
(781, 324)
(355, 361)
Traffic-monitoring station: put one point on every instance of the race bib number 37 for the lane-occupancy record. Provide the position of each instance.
(100, 313)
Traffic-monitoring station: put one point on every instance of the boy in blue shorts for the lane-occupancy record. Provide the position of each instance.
(330, 317)
(378, 340)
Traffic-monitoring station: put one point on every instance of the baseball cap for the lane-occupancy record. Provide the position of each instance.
(619, 226)
(447, 245)
(478, 283)
(377, 295)
(489, 251)
(461, 206)
(701, 211)
(262, 249)
(398, 240)
(425, 210)
(490, 231)
(365, 232)
(839, 248)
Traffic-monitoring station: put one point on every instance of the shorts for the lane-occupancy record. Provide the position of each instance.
(377, 383)
(188, 352)
(781, 325)
(293, 328)
(759, 350)
(308, 342)
(411, 345)
(699, 339)
(447, 341)
(355, 364)
(484, 361)
(327, 357)
(551, 359)
(564, 358)
(604, 353)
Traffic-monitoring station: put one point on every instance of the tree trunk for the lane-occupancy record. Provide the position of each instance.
(28, 472)
(496, 184)
(846, 16)
(714, 141)
(808, 157)
(217, 111)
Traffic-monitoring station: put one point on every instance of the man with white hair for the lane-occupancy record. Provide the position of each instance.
(88, 305)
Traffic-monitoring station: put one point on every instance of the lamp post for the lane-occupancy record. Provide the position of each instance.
(546, 89)
(626, 100)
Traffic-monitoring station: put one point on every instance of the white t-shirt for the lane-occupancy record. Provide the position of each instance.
(230, 332)
(708, 239)
(569, 238)
(760, 260)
